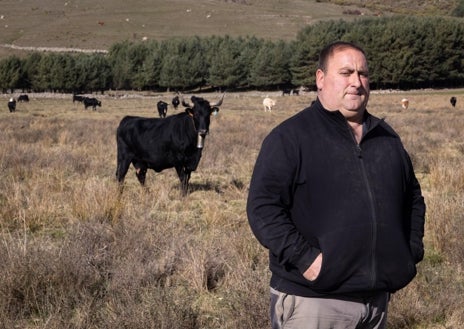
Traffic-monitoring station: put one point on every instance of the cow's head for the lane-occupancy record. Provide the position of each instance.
(200, 110)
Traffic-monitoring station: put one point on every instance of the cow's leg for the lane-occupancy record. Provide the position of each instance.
(185, 183)
(123, 162)
(184, 177)
(123, 167)
(121, 171)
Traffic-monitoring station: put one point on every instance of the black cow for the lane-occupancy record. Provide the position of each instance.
(93, 102)
(286, 91)
(174, 142)
(78, 98)
(12, 105)
(23, 98)
(453, 101)
(162, 109)
(175, 102)
(290, 91)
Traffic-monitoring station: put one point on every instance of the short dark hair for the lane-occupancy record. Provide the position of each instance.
(331, 48)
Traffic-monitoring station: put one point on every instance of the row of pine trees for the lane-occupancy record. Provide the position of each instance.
(404, 53)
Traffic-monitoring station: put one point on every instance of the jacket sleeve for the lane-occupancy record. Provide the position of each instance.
(416, 211)
(269, 200)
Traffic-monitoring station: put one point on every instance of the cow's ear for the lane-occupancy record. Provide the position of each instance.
(215, 110)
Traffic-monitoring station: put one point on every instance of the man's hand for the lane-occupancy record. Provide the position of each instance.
(313, 271)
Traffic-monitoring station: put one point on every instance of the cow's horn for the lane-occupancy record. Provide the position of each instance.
(219, 102)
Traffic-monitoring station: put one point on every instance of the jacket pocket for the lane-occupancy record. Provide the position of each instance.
(346, 257)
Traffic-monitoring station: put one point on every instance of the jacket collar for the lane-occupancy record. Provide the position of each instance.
(369, 121)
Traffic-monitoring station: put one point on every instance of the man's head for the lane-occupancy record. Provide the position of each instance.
(342, 79)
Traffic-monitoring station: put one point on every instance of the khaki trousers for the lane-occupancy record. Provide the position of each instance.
(295, 312)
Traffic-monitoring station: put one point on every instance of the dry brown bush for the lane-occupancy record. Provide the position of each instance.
(76, 254)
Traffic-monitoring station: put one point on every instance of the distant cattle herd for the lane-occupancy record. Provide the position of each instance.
(287, 91)
(87, 101)
(174, 141)
(12, 102)
(405, 102)
(162, 106)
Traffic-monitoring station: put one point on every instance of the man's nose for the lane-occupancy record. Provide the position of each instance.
(355, 79)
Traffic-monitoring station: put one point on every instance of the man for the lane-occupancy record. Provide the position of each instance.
(334, 198)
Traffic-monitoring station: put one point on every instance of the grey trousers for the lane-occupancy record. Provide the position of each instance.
(295, 312)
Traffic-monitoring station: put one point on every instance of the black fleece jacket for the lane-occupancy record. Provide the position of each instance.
(314, 189)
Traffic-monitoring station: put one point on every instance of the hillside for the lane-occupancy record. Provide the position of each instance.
(89, 24)
(415, 7)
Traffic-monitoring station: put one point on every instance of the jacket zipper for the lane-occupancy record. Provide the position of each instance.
(373, 272)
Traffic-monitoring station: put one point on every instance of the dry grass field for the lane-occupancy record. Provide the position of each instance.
(76, 254)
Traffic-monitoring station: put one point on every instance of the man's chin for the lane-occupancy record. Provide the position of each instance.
(354, 106)
(353, 110)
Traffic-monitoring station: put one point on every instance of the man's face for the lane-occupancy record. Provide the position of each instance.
(344, 85)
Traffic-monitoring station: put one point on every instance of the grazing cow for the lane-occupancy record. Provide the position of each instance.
(286, 91)
(268, 103)
(93, 102)
(23, 98)
(12, 105)
(290, 92)
(453, 101)
(162, 108)
(174, 142)
(405, 103)
(175, 102)
(78, 98)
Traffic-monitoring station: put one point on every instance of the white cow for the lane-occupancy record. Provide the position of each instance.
(268, 103)
(405, 103)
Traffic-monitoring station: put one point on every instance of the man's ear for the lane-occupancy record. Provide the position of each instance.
(319, 79)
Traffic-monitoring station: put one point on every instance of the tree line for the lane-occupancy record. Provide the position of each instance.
(404, 52)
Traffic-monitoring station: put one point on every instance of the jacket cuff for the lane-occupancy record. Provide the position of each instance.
(307, 258)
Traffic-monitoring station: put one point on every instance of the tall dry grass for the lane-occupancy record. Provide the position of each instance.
(76, 254)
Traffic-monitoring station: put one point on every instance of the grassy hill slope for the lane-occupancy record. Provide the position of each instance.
(92, 24)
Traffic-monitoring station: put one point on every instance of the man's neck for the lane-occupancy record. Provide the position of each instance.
(357, 128)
